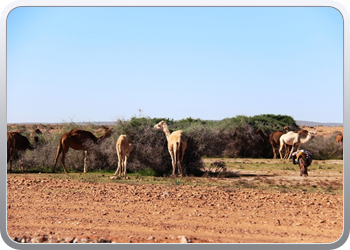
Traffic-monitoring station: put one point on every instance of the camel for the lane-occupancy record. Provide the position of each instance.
(77, 139)
(16, 141)
(176, 146)
(35, 132)
(102, 128)
(295, 140)
(339, 139)
(273, 139)
(123, 150)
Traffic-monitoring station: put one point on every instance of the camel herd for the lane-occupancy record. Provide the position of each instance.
(286, 140)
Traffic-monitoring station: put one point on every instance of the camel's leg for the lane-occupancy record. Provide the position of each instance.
(174, 167)
(10, 158)
(179, 161)
(64, 152)
(173, 162)
(291, 151)
(125, 161)
(119, 165)
(274, 152)
(280, 150)
(86, 162)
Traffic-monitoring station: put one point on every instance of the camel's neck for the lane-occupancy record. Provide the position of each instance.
(306, 139)
(266, 139)
(166, 131)
(104, 136)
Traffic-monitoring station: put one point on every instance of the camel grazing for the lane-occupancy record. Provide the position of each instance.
(295, 140)
(176, 146)
(35, 132)
(123, 150)
(16, 141)
(273, 139)
(339, 139)
(77, 139)
(102, 128)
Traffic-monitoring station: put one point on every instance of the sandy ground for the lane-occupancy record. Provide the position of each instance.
(44, 209)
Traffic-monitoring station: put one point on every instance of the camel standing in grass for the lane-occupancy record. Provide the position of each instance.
(123, 150)
(339, 139)
(78, 140)
(16, 141)
(176, 146)
(295, 140)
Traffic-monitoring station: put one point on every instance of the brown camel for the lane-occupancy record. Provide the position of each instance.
(273, 139)
(35, 132)
(16, 141)
(176, 146)
(78, 140)
(102, 128)
(295, 140)
(123, 150)
(339, 139)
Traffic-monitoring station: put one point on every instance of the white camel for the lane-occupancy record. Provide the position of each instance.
(176, 145)
(123, 150)
(295, 140)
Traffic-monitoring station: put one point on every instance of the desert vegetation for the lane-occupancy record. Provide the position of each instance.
(229, 138)
(232, 190)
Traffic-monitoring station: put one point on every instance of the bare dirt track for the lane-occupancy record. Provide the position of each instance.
(45, 209)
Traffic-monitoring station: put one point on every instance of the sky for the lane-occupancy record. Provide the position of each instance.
(91, 64)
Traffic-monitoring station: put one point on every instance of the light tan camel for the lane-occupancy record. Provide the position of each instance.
(295, 140)
(77, 139)
(176, 146)
(123, 150)
(16, 141)
(273, 139)
(339, 139)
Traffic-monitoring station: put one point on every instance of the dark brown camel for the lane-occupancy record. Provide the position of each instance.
(16, 141)
(78, 140)
(339, 139)
(273, 139)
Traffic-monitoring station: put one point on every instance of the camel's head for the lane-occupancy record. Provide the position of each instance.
(312, 133)
(159, 126)
(131, 147)
(257, 131)
(286, 128)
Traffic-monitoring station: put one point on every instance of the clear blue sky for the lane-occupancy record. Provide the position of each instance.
(100, 64)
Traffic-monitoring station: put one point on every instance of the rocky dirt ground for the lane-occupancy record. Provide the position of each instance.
(44, 209)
